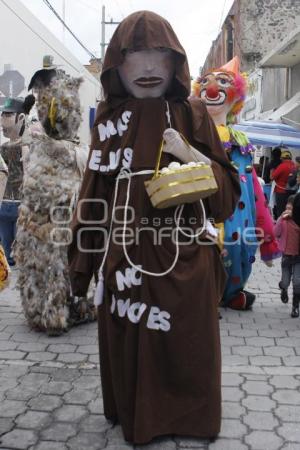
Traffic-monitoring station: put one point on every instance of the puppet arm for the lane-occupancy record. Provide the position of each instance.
(268, 244)
(89, 234)
(181, 149)
(221, 205)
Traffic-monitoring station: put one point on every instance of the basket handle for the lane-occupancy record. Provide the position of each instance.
(158, 159)
(160, 154)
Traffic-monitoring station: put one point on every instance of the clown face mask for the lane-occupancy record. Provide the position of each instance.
(147, 73)
(12, 124)
(218, 92)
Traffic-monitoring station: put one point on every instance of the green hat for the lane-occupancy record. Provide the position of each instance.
(13, 105)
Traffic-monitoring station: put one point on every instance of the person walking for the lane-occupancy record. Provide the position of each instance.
(280, 175)
(287, 231)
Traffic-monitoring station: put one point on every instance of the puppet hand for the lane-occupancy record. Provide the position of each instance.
(176, 146)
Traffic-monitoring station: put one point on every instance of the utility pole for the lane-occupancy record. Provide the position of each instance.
(103, 44)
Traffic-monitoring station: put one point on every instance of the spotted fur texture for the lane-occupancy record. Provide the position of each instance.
(51, 183)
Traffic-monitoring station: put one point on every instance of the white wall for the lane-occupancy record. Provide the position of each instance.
(24, 41)
(252, 107)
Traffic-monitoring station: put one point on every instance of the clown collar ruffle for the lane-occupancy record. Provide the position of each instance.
(230, 137)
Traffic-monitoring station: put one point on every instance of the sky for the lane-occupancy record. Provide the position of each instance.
(196, 22)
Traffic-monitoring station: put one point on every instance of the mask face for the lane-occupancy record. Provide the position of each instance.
(11, 124)
(147, 73)
(218, 91)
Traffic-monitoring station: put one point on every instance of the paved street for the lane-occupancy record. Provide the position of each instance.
(50, 396)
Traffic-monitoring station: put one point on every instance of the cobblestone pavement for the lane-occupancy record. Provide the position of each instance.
(50, 395)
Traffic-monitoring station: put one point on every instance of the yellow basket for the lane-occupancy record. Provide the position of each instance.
(178, 186)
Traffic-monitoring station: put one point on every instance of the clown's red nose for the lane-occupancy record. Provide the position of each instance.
(212, 91)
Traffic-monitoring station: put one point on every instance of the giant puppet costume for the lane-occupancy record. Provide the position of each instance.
(14, 117)
(14, 123)
(52, 180)
(158, 319)
(224, 90)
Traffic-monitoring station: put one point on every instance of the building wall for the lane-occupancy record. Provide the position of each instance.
(23, 52)
(219, 51)
(295, 87)
(258, 26)
(94, 67)
(264, 23)
(295, 79)
(274, 91)
(253, 102)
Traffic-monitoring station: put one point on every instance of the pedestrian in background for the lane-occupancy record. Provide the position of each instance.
(273, 164)
(13, 125)
(280, 175)
(287, 231)
(293, 183)
(12, 118)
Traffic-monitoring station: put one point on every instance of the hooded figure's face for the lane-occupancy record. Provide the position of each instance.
(147, 73)
(145, 59)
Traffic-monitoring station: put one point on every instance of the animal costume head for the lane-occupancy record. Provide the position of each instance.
(58, 107)
(13, 116)
(58, 103)
(224, 91)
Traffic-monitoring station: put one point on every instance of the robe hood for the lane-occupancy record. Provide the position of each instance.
(139, 31)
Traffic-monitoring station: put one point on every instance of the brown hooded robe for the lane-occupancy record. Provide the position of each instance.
(158, 336)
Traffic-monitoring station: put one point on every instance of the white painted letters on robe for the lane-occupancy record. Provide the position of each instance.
(155, 318)
(108, 130)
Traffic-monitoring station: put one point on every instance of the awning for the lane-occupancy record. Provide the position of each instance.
(286, 53)
(269, 133)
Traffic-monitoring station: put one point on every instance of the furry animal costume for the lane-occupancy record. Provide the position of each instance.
(52, 180)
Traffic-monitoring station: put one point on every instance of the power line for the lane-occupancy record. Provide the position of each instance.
(46, 42)
(223, 9)
(67, 28)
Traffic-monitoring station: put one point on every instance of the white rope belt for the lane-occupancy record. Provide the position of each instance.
(127, 174)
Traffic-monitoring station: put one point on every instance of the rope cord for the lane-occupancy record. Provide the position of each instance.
(127, 174)
(194, 236)
(178, 209)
